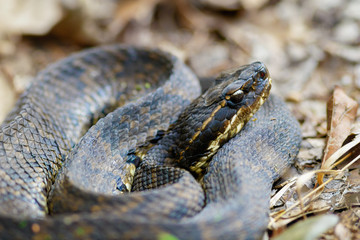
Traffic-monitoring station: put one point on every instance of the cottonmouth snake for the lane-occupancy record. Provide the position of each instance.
(44, 168)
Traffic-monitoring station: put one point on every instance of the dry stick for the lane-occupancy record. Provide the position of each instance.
(302, 207)
(340, 160)
(336, 155)
(349, 164)
(333, 172)
(298, 202)
(283, 188)
(310, 194)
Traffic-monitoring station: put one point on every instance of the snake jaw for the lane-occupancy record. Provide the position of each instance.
(241, 94)
(235, 125)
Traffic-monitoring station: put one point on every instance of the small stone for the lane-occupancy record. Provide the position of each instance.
(347, 32)
(352, 10)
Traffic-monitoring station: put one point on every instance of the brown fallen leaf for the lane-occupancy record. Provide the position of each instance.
(341, 116)
(341, 113)
(139, 10)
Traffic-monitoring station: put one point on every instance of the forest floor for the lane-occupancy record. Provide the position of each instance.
(310, 48)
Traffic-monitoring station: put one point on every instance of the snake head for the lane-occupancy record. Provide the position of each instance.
(220, 113)
(239, 84)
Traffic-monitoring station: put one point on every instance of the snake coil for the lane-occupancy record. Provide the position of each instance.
(50, 162)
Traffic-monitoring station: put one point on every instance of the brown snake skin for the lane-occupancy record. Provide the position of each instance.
(42, 135)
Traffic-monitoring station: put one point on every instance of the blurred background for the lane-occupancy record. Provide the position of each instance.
(309, 46)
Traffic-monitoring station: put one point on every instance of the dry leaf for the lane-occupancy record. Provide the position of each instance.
(140, 10)
(280, 193)
(341, 113)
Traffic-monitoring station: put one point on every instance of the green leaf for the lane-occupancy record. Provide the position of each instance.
(80, 231)
(23, 224)
(310, 228)
(167, 236)
(147, 85)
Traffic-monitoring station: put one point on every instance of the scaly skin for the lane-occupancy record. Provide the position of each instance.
(65, 98)
(232, 204)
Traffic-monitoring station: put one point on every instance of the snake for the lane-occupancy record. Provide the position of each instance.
(119, 142)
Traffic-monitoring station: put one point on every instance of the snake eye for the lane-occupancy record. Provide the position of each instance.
(237, 96)
(263, 73)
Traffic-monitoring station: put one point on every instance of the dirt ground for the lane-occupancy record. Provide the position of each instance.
(309, 47)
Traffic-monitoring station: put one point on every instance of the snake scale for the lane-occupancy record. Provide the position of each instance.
(149, 133)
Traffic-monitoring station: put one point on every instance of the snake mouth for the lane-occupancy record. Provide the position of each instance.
(240, 95)
(254, 96)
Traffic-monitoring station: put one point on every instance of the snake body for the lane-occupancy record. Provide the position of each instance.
(86, 200)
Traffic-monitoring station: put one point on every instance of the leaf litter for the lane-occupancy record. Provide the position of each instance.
(309, 46)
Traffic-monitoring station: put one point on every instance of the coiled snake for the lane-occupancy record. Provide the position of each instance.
(46, 166)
